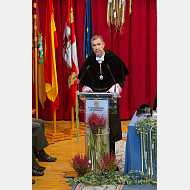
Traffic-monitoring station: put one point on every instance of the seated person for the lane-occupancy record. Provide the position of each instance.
(38, 132)
(37, 170)
(35, 165)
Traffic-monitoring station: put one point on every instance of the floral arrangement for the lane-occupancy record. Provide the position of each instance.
(109, 162)
(80, 164)
(105, 172)
(96, 122)
(96, 139)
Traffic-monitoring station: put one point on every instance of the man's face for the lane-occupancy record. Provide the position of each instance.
(98, 47)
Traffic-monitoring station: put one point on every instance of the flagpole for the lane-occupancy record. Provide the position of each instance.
(72, 62)
(73, 129)
(72, 118)
(77, 112)
(51, 44)
(36, 61)
(54, 121)
(54, 136)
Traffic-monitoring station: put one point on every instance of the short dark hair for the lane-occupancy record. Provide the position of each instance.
(96, 37)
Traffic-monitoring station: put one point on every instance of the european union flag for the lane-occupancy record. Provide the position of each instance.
(88, 31)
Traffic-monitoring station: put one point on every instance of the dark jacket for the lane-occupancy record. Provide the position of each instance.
(90, 77)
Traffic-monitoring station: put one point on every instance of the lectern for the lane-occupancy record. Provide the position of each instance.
(100, 104)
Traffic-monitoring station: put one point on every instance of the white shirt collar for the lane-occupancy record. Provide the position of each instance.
(100, 58)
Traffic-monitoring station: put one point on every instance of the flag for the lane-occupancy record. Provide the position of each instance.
(33, 38)
(51, 84)
(40, 57)
(41, 78)
(70, 54)
(88, 31)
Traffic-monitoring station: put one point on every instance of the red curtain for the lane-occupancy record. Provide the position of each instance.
(142, 54)
(137, 47)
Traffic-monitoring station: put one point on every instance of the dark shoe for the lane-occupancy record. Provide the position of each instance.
(37, 173)
(46, 158)
(33, 181)
(36, 153)
(39, 168)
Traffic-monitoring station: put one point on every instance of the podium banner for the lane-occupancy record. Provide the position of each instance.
(97, 105)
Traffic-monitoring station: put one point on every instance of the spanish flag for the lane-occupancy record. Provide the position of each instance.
(51, 85)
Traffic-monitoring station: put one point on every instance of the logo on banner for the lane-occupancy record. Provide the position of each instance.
(66, 43)
(72, 78)
(95, 102)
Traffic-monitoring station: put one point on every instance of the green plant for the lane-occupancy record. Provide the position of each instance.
(96, 140)
(143, 125)
(80, 164)
(100, 177)
(147, 129)
(109, 162)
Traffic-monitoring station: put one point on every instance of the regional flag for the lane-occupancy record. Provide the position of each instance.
(88, 31)
(51, 84)
(40, 57)
(41, 78)
(70, 54)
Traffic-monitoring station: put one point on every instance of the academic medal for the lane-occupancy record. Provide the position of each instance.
(101, 76)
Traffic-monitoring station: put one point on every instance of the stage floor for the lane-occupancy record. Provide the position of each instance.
(64, 150)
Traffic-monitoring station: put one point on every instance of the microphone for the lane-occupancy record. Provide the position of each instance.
(78, 81)
(112, 77)
(84, 73)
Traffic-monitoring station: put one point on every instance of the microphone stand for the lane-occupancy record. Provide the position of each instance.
(112, 78)
(77, 103)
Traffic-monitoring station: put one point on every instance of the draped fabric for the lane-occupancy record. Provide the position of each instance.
(88, 31)
(137, 47)
(70, 54)
(50, 71)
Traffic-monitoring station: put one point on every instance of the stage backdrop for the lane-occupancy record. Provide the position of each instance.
(137, 47)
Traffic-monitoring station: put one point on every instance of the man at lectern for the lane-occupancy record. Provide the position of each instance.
(104, 71)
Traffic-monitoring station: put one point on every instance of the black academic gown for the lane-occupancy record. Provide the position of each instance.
(89, 76)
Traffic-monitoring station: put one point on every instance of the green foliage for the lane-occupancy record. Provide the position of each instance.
(104, 145)
(109, 162)
(100, 177)
(142, 126)
(97, 145)
(147, 129)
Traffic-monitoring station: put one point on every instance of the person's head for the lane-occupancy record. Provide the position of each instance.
(98, 44)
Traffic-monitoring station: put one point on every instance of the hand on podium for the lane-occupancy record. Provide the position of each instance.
(118, 89)
(86, 89)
